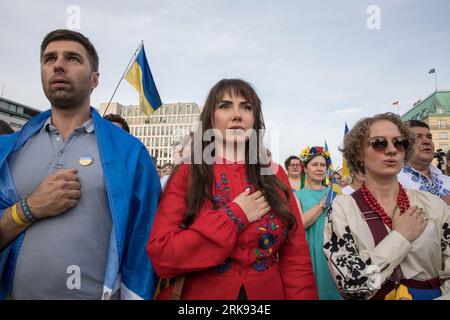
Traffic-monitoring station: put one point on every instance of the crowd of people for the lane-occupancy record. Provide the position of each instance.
(86, 214)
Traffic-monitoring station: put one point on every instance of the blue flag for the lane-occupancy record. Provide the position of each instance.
(345, 169)
(140, 77)
(333, 192)
(330, 167)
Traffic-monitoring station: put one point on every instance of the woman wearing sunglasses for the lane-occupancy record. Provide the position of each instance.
(384, 241)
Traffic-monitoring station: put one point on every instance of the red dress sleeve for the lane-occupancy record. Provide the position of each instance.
(206, 243)
(295, 260)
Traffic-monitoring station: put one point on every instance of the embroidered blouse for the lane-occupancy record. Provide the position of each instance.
(221, 251)
(359, 268)
(438, 184)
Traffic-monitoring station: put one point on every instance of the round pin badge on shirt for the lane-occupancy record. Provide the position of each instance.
(86, 160)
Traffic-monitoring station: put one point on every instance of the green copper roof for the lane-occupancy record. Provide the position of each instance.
(438, 103)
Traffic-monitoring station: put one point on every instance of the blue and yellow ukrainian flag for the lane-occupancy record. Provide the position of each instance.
(330, 167)
(140, 77)
(345, 170)
(335, 189)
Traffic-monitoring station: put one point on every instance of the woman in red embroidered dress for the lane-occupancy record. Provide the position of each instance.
(382, 241)
(229, 221)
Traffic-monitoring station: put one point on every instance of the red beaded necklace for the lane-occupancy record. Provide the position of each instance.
(402, 202)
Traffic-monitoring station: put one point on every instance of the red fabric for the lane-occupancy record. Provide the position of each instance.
(285, 270)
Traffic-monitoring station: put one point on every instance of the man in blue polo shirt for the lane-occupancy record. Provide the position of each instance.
(75, 213)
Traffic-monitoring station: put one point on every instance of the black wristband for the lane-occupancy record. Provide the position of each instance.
(26, 210)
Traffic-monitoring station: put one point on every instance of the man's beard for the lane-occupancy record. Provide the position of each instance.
(69, 99)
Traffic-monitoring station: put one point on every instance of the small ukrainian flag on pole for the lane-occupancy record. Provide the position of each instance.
(140, 77)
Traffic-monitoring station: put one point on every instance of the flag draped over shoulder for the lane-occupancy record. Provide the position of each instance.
(140, 77)
(345, 170)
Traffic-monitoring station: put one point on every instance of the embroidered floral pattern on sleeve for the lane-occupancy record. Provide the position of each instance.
(267, 244)
(349, 265)
(270, 233)
(222, 198)
(445, 241)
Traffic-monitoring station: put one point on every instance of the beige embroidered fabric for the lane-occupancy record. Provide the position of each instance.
(359, 268)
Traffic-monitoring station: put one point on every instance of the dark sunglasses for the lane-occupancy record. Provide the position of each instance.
(381, 143)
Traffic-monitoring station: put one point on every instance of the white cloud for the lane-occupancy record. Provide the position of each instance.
(349, 110)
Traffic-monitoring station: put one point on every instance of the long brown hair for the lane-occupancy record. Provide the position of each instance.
(201, 176)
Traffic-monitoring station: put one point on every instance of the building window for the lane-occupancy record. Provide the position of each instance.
(442, 124)
(443, 147)
(15, 125)
(443, 136)
(4, 105)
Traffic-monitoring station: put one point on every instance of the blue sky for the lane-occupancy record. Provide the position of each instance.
(314, 65)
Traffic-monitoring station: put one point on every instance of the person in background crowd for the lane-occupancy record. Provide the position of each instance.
(158, 169)
(355, 182)
(5, 128)
(182, 150)
(336, 174)
(118, 121)
(447, 163)
(316, 161)
(385, 241)
(232, 229)
(418, 173)
(294, 168)
(166, 171)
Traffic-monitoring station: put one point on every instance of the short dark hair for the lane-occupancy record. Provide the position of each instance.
(416, 123)
(288, 161)
(167, 165)
(116, 118)
(64, 34)
(5, 128)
